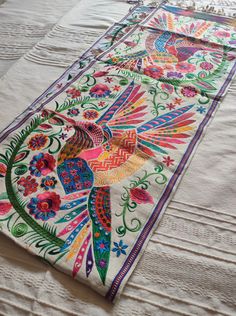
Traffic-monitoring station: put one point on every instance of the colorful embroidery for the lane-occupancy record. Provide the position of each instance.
(85, 175)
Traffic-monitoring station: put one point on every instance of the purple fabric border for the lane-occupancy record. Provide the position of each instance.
(166, 194)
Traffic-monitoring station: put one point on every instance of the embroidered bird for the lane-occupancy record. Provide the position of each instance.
(165, 45)
(101, 154)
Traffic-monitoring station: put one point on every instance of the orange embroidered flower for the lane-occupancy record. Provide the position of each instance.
(37, 142)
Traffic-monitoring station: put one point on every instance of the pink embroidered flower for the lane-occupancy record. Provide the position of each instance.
(44, 206)
(101, 103)
(206, 66)
(100, 91)
(222, 34)
(5, 207)
(185, 67)
(116, 88)
(27, 185)
(140, 196)
(168, 161)
(153, 71)
(73, 92)
(42, 164)
(90, 114)
(37, 142)
(189, 91)
(167, 88)
(98, 74)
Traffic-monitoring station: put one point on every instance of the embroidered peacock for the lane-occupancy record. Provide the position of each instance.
(100, 154)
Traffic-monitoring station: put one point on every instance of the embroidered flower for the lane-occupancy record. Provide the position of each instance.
(102, 263)
(37, 142)
(73, 112)
(101, 103)
(63, 136)
(206, 66)
(42, 164)
(170, 106)
(44, 206)
(108, 79)
(90, 114)
(5, 207)
(100, 91)
(48, 183)
(167, 88)
(174, 74)
(119, 248)
(153, 71)
(178, 101)
(185, 67)
(27, 185)
(116, 88)
(73, 92)
(168, 161)
(67, 128)
(140, 196)
(201, 109)
(189, 91)
(102, 245)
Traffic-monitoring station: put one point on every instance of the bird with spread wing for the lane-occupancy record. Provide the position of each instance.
(102, 153)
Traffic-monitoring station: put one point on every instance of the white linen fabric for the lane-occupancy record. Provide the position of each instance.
(24, 23)
(189, 266)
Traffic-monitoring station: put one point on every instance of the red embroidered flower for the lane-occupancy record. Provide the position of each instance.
(73, 92)
(167, 88)
(153, 71)
(170, 106)
(168, 161)
(140, 196)
(90, 114)
(27, 185)
(185, 67)
(206, 66)
(5, 207)
(101, 103)
(100, 91)
(42, 164)
(44, 206)
(189, 91)
(116, 88)
(37, 142)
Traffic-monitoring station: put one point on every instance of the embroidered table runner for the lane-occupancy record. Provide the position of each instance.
(88, 169)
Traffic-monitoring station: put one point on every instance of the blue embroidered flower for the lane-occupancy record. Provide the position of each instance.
(119, 248)
(63, 136)
(48, 183)
(201, 109)
(73, 112)
(102, 245)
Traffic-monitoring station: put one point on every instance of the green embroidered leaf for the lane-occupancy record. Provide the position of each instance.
(21, 170)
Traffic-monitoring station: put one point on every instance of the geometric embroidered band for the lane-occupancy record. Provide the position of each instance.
(89, 168)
